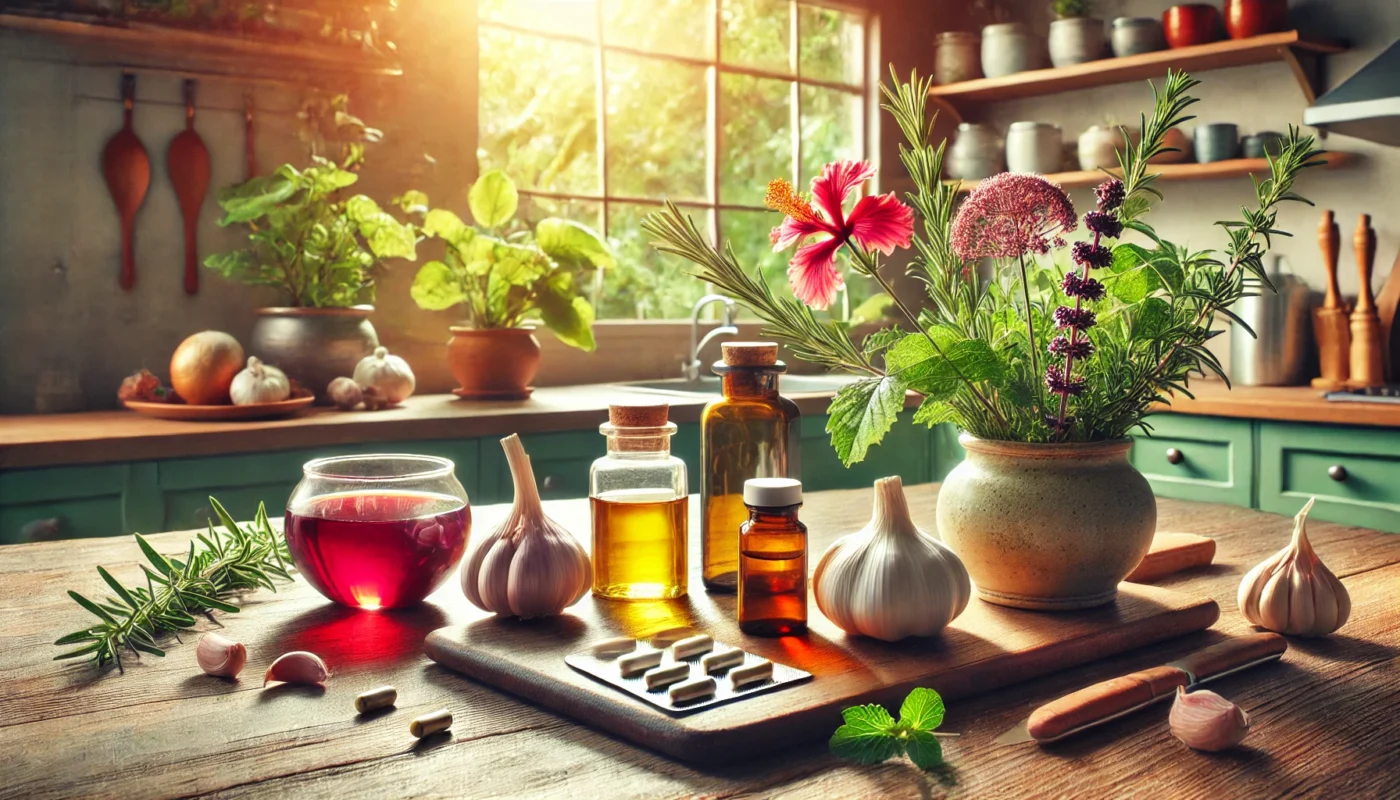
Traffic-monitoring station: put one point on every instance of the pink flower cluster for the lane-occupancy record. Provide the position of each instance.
(1012, 215)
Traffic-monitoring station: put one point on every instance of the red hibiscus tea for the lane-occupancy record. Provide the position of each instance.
(385, 540)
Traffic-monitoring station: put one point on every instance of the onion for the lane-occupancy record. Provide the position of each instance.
(202, 369)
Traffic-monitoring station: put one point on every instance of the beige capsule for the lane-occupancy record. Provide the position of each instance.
(375, 699)
(753, 673)
(429, 724)
(692, 690)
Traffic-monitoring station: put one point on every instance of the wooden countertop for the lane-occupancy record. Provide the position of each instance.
(1326, 718)
(1281, 403)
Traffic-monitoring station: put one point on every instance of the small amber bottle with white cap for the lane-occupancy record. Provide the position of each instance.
(773, 559)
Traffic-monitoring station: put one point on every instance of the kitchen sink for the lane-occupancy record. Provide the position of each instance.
(710, 385)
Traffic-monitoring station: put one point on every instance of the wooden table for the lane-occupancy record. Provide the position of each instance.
(1327, 719)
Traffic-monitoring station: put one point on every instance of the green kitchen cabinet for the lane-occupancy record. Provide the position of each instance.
(1198, 458)
(904, 452)
(76, 502)
(1354, 473)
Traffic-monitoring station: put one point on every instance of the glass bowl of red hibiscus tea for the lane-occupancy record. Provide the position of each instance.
(378, 531)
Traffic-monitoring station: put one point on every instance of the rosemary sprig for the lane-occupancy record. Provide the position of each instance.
(219, 564)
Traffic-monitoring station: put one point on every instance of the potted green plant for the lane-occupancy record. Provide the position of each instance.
(319, 246)
(1075, 37)
(1046, 367)
(504, 282)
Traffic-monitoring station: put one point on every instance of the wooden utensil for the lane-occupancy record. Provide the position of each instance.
(188, 162)
(1366, 364)
(127, 169)
(1172, 553)
(1330, 321)
(249, 152)
(1386, 304)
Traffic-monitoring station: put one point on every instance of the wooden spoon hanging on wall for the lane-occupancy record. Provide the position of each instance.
(188, 162)
(127, 168)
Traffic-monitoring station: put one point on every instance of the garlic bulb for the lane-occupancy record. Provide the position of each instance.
(345, 393)
(530, 567)
(1206, 721)
(259, 383)
(297, 666)
(1293, 592)
(389, 374)
(219, 656)
(891, 580)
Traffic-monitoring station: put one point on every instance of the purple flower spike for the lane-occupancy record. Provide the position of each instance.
(1056, 382)
(1086, 288)
(1077, 318)
(1111, 194)
(1103, 224)
(1062, 346)
(1095, 256)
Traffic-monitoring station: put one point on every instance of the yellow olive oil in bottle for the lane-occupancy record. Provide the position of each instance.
(773, 560)
(640, 506)
(750, 432)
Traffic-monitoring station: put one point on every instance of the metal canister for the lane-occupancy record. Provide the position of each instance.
(1278, 352)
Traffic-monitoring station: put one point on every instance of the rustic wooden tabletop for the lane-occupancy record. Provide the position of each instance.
(1326, 719)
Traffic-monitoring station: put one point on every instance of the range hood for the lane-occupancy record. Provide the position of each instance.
(1366, 105)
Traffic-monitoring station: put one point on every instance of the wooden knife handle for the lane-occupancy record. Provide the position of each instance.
(1232, 654)
(1329, 238)
(1102, 700)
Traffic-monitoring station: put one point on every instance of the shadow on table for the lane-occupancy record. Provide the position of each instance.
(1340, 647)
(351, 637)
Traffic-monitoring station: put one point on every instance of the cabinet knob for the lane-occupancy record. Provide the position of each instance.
(549, 482)
(1175, 456)
(1337, 472)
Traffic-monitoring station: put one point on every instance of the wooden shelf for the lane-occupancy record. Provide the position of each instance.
(200, 52)
(1233, 168)
(1287, 46)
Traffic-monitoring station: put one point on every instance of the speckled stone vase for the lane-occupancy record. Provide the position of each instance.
(1047, 526)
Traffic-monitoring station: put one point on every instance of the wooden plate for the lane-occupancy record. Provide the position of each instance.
(229, 413)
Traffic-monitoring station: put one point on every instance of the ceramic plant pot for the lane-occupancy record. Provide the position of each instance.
(1246, 18)
(1047, 526)
(1191, 24)
(975, 154)
(1033, 147)
(314, 345)
(1263, 143)
(1099, 146)
(496, 364)
(1178, 148)
(957, 57)
(1217, 141)
(1008, 48)
(1131, 36)
(1076, 40)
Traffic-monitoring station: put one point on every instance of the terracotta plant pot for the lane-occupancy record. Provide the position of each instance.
(1047, 526)
(1246, 18)
(493, 364)
(1191, 24)
(1179, 148)
(314, 345)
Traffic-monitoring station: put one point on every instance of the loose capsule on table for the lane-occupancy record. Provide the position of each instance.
(693, 646)
(614, 647)
(754, 673)
(667, 675)
(429, 724)
(692, 690)
(715, 662)
(375, 699)
(638, 662)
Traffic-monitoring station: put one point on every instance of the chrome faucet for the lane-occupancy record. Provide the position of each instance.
(690, 369)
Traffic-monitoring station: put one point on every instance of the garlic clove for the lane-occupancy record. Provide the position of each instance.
(345, 393)
(1204, 720)
(220, 656)
(1293, 592)
(297, 667)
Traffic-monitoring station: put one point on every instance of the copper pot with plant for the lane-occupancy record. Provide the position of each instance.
(505, 280)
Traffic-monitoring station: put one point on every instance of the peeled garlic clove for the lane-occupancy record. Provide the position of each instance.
(1293, 592)
(1206, 721)
(297, 667)
(219, 656)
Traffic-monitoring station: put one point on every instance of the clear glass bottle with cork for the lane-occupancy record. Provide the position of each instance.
(640, 502)
(773, 560)
(751, 432)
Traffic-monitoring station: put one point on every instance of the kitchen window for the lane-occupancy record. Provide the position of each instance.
(602, 109)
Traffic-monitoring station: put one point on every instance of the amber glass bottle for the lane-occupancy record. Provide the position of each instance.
(638, 492)
(773, 560)
(751, 432)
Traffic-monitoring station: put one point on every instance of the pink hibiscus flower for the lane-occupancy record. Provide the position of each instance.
(879, 223)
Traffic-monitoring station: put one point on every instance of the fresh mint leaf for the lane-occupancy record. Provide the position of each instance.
(923, 749)
(862, 413)
(933, 412)
(868, 737)
(922, 710)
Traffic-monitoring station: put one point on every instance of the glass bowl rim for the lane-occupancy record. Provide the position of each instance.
(440, 467)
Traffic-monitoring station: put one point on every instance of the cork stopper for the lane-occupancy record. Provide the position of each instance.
(749, 354)
(638, 415)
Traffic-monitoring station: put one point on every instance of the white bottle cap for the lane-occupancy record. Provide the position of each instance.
(772, 492)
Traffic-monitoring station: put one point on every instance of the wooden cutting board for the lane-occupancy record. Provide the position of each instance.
(988, 647)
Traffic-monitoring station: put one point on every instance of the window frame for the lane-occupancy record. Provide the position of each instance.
(715, 68)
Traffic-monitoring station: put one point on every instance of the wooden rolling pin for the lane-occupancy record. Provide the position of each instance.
(1330, 321)
(1367, 366)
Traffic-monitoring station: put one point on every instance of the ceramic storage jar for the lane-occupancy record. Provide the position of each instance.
(1075, 40)
(1099, 146)
(1217, 141)
(1008, 48)
(957, 57)
(975, 154)
(1133, 36)
(1033, 147)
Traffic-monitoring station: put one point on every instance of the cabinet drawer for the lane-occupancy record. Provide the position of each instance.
(1197, 458)
(1353, 472)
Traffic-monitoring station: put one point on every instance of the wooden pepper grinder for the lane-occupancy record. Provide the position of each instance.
(1330, 321)
(1366, 364)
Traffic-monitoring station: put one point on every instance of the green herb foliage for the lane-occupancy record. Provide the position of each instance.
(970, 351)
(508, 280)
(1064, 9)
(219, 564)
(871, 735)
